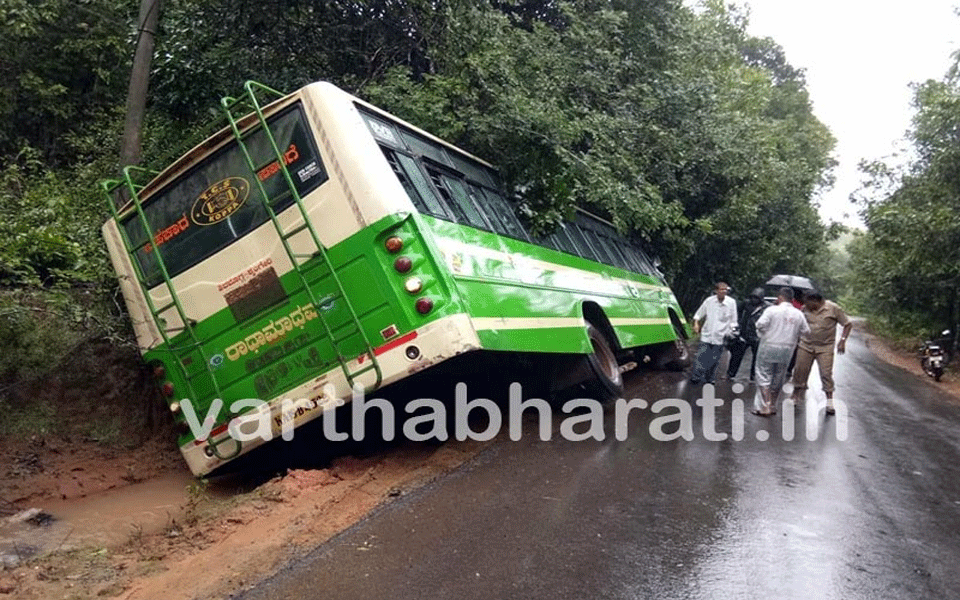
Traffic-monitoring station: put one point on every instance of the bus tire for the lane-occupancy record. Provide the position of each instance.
(676, 354)
(607, 383)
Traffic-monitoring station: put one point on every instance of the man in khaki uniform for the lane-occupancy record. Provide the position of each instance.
(823, 316)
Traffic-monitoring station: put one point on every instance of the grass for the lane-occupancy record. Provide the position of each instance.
(28, 421)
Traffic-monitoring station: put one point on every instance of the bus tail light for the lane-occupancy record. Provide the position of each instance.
(167, 389)
(403, 264)
(393, 244)
(424, 305)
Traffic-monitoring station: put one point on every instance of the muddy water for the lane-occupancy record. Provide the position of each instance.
(99, 520)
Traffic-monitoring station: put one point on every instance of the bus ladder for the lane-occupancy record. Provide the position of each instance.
(249, 102)
(132, 189)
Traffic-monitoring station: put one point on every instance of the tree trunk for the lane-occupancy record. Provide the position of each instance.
(139, 81)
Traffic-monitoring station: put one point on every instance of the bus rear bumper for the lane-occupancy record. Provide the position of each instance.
(398, 358)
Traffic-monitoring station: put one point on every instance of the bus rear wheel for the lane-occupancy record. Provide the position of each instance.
(676, 354)
(607, 381)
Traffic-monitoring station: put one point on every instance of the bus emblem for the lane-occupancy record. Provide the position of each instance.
(220, 200)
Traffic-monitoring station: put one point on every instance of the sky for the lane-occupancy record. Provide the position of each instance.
(860, 57)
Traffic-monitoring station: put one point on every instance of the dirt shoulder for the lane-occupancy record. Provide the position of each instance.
(77, 523)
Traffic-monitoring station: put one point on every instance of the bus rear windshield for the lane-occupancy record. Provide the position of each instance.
(219, 200)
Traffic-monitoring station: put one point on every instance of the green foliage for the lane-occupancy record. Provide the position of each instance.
(835, 274)
(747, 156)
(39, 327)
(49, 226)
(67, 367)
(678, 127)
(32, 336)
(207, 49)
(27, 421)
(907, 267)
(65, 64)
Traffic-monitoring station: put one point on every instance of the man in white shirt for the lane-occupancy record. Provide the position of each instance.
(779, 327)
(714, 321)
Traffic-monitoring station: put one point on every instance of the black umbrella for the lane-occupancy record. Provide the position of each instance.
(792, 281)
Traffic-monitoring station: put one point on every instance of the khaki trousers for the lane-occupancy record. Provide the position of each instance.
(823, 355)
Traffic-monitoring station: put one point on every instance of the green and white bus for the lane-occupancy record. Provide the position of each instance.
(318, 244)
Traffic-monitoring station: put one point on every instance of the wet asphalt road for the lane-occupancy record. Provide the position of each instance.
(874, 516)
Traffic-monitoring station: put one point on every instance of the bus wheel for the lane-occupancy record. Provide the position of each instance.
(676, 354)
(608, 381)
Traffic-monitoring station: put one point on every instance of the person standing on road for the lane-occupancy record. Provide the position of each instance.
(715, 321)
(798, 304)
(750, 312)
(823, 316)
(780, 328)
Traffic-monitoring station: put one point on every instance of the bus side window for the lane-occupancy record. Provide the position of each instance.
(641, 259)
(615, 247)
(608, 236)
(421, 146)
(464, 199)
(492, 213)
(598, 246)
(498, 209)
(431, 203)
(563, 240)
(405, 181)
(474, 171)
(456, 200)
(633, 260)
(549, 241)
(584, 249)
(652, 270)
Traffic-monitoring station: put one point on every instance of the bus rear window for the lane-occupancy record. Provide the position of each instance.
(219, 200)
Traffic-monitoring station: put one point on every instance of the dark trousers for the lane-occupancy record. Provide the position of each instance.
(738, 349)
(705, 365)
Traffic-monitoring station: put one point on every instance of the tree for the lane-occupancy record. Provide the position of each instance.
(748, 158)
(908, 267)
(139, 80)
(61, 75)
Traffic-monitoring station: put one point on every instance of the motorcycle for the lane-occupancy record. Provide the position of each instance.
(932, 359)
(948, 343)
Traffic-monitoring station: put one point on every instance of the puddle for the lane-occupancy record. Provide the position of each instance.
(105, 519)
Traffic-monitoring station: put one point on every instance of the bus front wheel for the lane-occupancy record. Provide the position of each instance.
(607, 381)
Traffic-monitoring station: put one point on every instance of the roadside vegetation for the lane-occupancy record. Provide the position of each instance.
(906, 267)
(690, 135)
